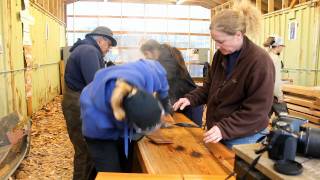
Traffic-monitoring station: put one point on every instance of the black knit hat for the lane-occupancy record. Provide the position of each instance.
(143, 110)
(105, 32)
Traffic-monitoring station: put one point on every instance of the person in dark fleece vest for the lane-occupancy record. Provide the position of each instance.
(85, 60)
(179, 79)
(238, 90)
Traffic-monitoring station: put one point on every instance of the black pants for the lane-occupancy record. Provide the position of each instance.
(194, 113)
(83, 164)
(109, 156)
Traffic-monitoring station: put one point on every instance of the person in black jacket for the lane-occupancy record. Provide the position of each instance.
(85, 60)
(179, 79)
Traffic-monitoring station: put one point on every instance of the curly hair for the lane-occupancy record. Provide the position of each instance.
(243, 17)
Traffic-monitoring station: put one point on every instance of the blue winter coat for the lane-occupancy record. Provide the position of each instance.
(98, 121)
(85, 60)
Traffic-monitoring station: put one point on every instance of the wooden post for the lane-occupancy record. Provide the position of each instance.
(258, 4)
(293, 2)
(28, 77)
(27, 19)
(285, 3)
(270, 5)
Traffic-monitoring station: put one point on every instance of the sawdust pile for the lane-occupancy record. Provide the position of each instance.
(51, 152)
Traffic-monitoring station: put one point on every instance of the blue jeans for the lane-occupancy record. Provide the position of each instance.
(194, 113)
(251, 139)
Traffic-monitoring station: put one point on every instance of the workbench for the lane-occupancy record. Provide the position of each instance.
(188, 154)
(141, 176)
(264, 169)
(187, 158)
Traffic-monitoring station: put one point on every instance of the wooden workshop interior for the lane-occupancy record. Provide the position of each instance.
(35, 39)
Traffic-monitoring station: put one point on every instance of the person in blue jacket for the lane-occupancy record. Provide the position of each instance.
(85, 60)
(118, 105)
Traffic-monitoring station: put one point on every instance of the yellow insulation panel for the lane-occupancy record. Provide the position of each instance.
(300, 54)
(47, 38)
(12, 91)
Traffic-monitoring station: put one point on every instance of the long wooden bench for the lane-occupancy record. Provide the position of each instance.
(303, 101)
(140, 176)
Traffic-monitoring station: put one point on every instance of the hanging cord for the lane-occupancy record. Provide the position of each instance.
(251, 167)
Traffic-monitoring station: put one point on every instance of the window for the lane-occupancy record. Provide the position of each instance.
(199, 42)
(131, 40)
(132, 9)
(178, 11)
(156, 25)
(85, 23)
(158, 37)
(112, 23)
(199, 27)
(155, 10)
(85, 8)
(179, 41)
(133, 24)
(108, 9)
(198, 12)
(182, 26)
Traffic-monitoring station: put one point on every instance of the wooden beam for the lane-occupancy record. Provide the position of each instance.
(301, 101)
(293, 2)
(304, 110)
(143, 32)
(311, 118)
(136, 17)
(311, 92)
(285, 4)
(270, 5)
(204, 3)
(258, 4)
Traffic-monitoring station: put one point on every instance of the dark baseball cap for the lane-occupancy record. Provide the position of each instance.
(105, 32)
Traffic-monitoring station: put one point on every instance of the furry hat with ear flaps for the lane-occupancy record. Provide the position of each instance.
(135, 105)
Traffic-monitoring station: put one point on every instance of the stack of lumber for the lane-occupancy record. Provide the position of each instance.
(303, 101)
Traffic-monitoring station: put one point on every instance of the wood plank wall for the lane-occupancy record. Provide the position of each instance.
(55, 8)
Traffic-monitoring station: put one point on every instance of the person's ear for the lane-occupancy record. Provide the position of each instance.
(238, 35)
(121, 90)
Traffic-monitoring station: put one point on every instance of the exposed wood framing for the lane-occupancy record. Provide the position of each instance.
(293, 2)
(55, 8)
(285, 3)
(136, 17)
(270, 5)
(142, 32)
(258, 4)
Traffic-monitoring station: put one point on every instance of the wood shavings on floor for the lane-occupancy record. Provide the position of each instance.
(51, 152)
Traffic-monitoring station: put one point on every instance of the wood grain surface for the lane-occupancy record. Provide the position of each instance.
(265, 165)
(186, 155)
(137, 176)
